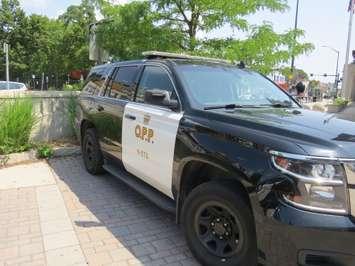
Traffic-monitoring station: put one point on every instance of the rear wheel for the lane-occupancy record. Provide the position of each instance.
(219, 226)
(92, 155)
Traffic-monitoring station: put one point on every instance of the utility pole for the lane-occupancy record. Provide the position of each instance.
(294, 39)
(6, 51)
(345, 69)
(349, 32)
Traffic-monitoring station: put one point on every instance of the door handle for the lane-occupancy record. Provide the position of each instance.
(131, 117)
(100, 108)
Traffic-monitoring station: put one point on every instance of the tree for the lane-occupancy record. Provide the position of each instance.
(74, 45)
(264, 50)
(12, 22)
(172, 25)
(132, 29)
(192, 16)
(295, 77)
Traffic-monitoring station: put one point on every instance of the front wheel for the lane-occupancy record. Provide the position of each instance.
(219, 226)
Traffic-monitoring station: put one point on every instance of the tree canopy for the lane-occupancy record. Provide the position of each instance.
(39, 44)
(193, 16)
(132, 29)
(177, 26)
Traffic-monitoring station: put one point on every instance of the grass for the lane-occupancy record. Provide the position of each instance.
(16, 122)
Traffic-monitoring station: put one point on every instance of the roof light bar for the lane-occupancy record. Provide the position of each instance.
(157, 54)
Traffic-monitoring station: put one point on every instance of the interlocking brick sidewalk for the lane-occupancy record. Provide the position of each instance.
(58, 214)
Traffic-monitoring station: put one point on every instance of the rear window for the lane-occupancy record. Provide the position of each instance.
(96, 80)
(121, 84)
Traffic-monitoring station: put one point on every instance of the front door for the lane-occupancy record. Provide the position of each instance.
(149, 133)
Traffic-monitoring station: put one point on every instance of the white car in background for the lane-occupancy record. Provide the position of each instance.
(13, 87)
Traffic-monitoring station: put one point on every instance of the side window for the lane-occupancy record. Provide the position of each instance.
(154, 78)
(95, 80)
(120, 87)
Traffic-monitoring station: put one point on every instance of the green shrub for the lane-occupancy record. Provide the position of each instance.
(73, 87)
(341, 102)
(16, 122)
(71, 111)
(44, 151)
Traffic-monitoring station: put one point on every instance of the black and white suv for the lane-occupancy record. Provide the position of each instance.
(251, 176)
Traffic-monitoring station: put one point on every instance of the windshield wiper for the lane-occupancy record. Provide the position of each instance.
(223, 106)
(230, 106)
(278, 104)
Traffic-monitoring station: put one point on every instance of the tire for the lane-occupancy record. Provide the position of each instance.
(212, 212)
(92, 154)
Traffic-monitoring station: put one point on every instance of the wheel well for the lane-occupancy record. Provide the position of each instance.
(196, 173)
(85, 124)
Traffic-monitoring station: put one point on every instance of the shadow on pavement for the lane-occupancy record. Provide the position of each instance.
(116, 224)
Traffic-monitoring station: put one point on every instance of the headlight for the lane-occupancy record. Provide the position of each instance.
(320, 184)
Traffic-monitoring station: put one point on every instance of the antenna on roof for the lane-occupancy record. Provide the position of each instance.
(166, 55)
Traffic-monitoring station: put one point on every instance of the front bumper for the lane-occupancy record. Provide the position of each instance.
(290, 236)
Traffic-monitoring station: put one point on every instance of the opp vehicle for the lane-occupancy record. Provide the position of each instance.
(251, 176)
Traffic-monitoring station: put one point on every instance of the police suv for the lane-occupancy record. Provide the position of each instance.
(253, 178)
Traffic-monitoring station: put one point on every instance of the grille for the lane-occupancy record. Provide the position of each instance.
(350, 172)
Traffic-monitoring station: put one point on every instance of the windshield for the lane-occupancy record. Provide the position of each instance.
(222, 85)
(12, 86)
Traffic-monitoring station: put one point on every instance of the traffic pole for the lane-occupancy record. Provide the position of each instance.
(336, 82)
(6, 51)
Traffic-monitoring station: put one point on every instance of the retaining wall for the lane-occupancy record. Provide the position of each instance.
(51, 110)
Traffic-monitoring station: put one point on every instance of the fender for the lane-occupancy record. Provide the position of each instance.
(214, 162)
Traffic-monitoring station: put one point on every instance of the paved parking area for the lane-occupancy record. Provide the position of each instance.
(61, 215)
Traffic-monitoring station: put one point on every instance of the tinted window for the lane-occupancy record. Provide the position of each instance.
(154, 78)
(96, 80)
(120, 86)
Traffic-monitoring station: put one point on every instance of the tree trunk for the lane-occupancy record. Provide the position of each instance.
(193, 30)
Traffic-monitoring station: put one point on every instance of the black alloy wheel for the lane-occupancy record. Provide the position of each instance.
(218, 229)
(219, 226)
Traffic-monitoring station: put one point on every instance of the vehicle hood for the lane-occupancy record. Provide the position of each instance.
(317, 133)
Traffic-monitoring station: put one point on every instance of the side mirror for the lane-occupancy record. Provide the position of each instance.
(160, 98)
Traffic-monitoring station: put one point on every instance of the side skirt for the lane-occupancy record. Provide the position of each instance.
(155, 196)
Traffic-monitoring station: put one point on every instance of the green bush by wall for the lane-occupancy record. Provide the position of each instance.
(16, 122)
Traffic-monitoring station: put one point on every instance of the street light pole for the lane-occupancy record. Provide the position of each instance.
(337, 76)
(294, 39)
(6, 51)
(337, 68)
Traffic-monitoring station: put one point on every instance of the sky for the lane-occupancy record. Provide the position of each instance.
(325, 23)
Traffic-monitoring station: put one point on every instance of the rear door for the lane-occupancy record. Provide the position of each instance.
(94, 86)
(149, 132)
(110, 108)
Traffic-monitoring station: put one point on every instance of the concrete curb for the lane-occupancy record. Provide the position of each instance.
(31, 156)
